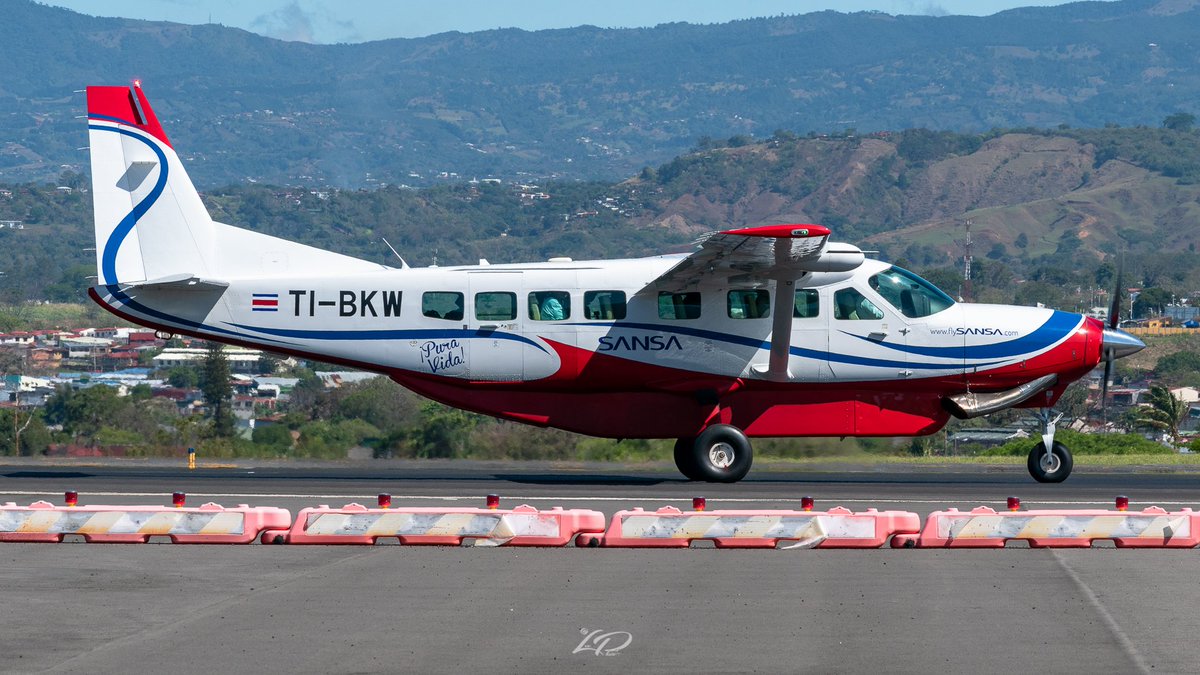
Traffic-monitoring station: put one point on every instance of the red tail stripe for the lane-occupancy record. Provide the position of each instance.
(118, 103)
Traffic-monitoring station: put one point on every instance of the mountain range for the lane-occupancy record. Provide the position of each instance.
(580, 103)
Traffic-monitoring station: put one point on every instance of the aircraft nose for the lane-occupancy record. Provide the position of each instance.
(1120, 343)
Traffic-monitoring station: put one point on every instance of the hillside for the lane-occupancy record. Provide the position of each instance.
(581, 103)
(1050, 209)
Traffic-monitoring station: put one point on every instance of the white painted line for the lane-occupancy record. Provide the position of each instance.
(823, 501)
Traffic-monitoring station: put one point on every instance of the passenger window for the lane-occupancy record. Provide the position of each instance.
(749, 304)
(678, 305)
(442, 305)
(496, 306)
(604, 305)
(849, 304)
(550, 306)
(807, 304)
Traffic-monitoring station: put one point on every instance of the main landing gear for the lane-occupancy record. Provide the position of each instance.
(720, 454)
(1051, 466)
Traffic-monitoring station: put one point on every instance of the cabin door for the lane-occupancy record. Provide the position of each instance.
(493, 316)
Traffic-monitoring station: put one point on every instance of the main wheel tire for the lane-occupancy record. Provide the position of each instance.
(721, 454)
(1052, 467)
(685, 458)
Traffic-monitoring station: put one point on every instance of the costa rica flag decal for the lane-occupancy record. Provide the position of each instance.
(265, 302)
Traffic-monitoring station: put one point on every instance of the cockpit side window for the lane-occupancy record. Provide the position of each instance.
(850, 305)
(910, 294)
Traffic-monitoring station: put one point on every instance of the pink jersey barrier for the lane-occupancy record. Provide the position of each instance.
(521, 526)
(207, 524)
(838, 527)
(984, 527)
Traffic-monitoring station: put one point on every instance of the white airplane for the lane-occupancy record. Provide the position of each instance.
(765, 331)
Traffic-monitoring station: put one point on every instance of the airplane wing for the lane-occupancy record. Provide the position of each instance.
(758, 255)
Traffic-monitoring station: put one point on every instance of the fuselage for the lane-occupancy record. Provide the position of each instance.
(596, 347)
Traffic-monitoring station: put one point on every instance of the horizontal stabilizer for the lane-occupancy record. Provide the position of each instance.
(179, 282)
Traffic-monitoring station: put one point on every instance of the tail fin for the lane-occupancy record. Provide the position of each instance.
(138, 180)
(150, 222)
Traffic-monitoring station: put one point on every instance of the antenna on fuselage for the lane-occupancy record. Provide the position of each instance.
(403, 264)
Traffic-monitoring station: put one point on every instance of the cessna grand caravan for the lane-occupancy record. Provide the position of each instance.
(763, 331)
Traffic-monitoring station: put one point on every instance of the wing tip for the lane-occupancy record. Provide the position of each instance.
(797, 231)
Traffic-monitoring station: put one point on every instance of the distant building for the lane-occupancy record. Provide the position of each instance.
(1186, 394)
(238, 358)
(1180, 313)
(335, 379)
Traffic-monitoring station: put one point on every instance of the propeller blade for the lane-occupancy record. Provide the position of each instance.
(1114, 311)
(1108, 362)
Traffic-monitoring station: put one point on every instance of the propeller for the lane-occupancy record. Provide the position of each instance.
(1114, 318)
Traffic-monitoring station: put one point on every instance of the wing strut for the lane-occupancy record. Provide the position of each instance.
(781, 330)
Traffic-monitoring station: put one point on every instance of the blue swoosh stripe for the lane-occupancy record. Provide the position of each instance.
(108, 264)
(1057, 327)
(387, 334)
(113, 245)
(795, 351)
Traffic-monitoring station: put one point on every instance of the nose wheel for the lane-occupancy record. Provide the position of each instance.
(1050, 461)
(720, 454)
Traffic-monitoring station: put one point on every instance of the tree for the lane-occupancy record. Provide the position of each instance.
(214, 384)
(276, 436)
(1151, 301)
(83, 412)
(183, 377)
(1164, 412)
(1182, 367)
(1180, 121)
(22, 432)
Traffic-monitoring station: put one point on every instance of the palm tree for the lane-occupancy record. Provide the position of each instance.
(1164, 412)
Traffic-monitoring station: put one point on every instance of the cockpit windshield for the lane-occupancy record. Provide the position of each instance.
(909, 293)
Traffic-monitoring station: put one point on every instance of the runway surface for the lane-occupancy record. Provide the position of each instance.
(106, 608)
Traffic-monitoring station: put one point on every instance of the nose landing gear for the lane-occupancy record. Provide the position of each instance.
(1050, 461)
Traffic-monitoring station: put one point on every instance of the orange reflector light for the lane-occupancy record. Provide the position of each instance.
(385, 500)
(698, 503)
(71, 497)
(806, 503)
(178, 499)
(1014, 503)
(1122, 503)
(493, 501)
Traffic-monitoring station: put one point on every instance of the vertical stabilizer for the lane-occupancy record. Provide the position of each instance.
(150, 222)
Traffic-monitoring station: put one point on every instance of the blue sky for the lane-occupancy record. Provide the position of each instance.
(327, 21)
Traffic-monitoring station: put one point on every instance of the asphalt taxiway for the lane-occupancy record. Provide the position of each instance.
(108, 608)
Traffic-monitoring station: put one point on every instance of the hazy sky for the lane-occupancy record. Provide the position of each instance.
(327, 21)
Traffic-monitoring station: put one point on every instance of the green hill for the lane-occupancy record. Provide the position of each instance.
(580, 103)
(1049, 209)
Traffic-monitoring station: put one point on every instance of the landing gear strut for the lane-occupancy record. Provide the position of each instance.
(720, 454)
(1050, 461)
